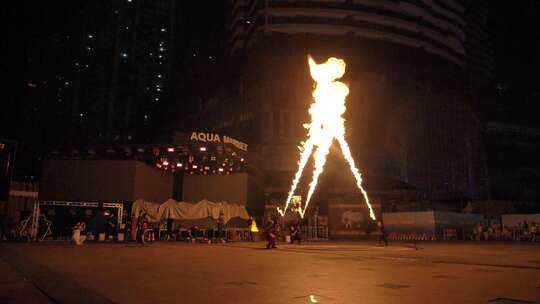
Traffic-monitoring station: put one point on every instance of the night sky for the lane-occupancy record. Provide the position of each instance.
(515, 32)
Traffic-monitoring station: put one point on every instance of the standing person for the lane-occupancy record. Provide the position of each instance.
(382, 234)
(294, 230)
(270, 231)
(221, 226)
(170, 223)
(110, 228)
(141, 223)
(252, 227)
(485, 232)
(3, 225)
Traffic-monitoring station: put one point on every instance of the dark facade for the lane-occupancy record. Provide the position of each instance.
(513, 161)
(409, 114)
(107, 77)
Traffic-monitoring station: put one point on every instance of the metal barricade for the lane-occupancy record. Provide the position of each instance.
(314, 233)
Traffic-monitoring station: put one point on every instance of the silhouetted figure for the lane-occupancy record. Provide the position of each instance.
(271, 234)
(382, 234)
(294, 230)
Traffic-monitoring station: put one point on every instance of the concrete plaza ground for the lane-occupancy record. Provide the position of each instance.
(246, 273)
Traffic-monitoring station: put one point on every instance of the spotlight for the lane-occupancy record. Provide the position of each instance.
(170, 149)
(220, 169)
(194, 167)
(165, 163)
(202, 149)
(179, 165)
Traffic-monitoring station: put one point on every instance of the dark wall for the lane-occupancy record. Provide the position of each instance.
(152, 184)
(231, 188)
(7, 153)
(103, 180)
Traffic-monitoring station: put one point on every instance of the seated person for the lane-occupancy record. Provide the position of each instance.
(295, 234)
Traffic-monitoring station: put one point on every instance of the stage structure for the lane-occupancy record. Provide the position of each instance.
(190, 153)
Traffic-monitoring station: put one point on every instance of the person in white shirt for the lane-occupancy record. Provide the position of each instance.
(77, 237)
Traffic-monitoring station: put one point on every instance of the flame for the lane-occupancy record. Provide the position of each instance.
(326, 125)
(253, 227)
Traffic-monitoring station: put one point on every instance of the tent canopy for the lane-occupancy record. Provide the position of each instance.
(172, 209)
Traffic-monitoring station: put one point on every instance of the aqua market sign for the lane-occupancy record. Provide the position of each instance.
(216, 138)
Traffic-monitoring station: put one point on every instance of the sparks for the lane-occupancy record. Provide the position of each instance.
(326, 125)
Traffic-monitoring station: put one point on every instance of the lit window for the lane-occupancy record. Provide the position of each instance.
(156, 99)
(160, 56)
(220, 169)
(202, 149)
(86, 66)
(158, 89)
(179, 165)
(67, 83)
(162, 49)
(127, 27)
(124, 55)
(81, 115)
(90, 36)
(146, 117)
(170, 149)
(158, 75)
(163, 29)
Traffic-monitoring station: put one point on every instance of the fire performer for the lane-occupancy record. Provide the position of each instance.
(271, 234)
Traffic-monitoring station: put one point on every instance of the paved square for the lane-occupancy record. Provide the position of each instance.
(246, 273)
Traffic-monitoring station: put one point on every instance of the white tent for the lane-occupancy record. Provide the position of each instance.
(182, 210)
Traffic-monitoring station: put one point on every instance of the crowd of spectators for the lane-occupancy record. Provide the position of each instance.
(523, 231)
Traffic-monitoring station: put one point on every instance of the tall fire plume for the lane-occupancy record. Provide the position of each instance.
(326, 125)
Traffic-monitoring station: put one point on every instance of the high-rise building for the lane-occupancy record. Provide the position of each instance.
(408, 115)
(107, 76)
